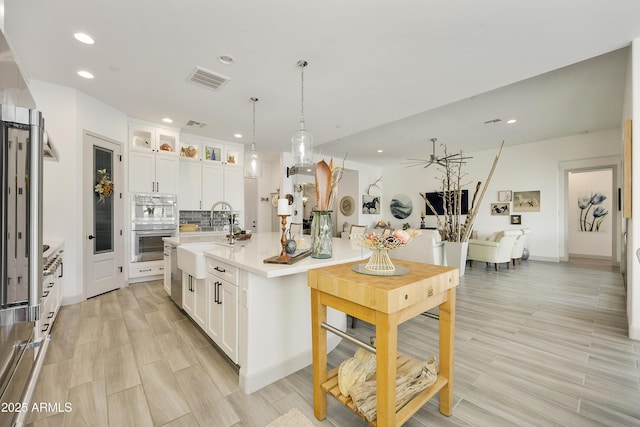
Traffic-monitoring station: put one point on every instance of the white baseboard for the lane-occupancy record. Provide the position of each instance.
(254, 382)
(634, 332)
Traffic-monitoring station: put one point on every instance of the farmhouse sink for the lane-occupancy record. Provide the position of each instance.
(191, 257)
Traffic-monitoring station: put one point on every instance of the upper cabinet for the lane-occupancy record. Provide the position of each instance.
(210, 171)
(153, 158)
(149, 138)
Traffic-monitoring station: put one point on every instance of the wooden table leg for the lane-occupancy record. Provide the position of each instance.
(319, 352)
(447, 332)
(386, 367)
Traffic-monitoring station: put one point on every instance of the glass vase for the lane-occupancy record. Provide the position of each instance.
(380, 261)
(321, 235)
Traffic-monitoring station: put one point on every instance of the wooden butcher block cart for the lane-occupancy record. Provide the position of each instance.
(384, 301)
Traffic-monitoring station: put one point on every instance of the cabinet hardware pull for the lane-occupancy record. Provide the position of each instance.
(62, 269)
(153, 186)
(144, 269)
(51, 313)
(157, 186)
(219, 296)
(45, 294)
(45, 327)
(221, 270)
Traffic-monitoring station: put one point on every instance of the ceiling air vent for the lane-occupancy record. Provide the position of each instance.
(207, 78)
(194, 124)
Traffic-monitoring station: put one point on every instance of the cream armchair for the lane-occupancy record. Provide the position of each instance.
(496, 252)
(426, 247)
(518, 247)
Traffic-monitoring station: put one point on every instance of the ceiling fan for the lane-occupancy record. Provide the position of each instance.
(456, 158)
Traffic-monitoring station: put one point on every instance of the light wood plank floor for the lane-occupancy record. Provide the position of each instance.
(541, 344)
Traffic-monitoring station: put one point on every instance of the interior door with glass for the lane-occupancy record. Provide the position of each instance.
(104, 215)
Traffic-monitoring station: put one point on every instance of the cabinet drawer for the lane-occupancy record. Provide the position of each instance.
(222, 270)
(145, 270)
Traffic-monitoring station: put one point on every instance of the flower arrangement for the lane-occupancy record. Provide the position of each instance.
(104, 187)
(380, 244)
(599, 213)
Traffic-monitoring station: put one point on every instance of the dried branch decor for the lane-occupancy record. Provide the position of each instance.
(450, 223)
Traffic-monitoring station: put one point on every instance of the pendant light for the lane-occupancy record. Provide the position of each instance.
(251, 159)
(302, 140)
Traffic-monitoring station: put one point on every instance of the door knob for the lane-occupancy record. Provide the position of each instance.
(91, 237)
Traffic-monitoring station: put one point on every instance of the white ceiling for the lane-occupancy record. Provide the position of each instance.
(381, 75)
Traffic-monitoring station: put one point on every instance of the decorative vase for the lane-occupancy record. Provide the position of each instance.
(456, 255)
(525, 254)
(321, 235)
(380, 261)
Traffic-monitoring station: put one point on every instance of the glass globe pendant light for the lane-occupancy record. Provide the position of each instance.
(302, 140)
(251, 159)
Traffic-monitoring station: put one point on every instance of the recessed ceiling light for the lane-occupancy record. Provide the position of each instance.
(237, 135)
(167, 120)
(380, 151)
(226, 59)
(84, 38)
(512, 121)
(85, 74)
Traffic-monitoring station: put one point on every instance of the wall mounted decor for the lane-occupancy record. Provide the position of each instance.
(504, 196)
(370, 204)
(401, 206)
(516, 219)
(347, 205)
(526, 201)
(499, 208)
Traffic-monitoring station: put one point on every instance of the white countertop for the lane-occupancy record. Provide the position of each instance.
(249, 254)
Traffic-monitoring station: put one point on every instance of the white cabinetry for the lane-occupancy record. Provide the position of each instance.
(153, 159)
(213, 174)
(222, 320)
(50, 301)
(194, 298)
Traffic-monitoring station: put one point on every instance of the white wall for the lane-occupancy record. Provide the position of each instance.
(524, 167)
(67, 112)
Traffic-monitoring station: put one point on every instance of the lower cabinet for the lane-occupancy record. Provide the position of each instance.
(222, 320)
(194, 298)
(213, 304)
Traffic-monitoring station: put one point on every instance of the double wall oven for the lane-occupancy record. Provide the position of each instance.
(153, 217)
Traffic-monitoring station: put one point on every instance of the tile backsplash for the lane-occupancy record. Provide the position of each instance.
(202, 219)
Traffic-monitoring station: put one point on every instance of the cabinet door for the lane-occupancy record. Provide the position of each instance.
(142, 172)
(200, 304)
(167, 167)
(211, 184)
(214, 317)
(234, 187)
(187, 293)
(190, 196)
(229, 332)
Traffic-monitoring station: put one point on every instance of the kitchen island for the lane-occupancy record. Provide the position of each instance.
(259, 314)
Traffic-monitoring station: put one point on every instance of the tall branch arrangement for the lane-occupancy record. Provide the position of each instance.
(450, 223)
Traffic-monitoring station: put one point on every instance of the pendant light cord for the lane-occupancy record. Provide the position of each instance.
(302, 64)
(253, 142)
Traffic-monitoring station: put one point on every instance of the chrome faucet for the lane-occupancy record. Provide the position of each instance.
(232, 217)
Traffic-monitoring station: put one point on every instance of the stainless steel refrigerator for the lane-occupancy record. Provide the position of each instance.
(21, 156)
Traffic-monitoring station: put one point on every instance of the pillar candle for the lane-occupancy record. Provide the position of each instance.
(283, 207)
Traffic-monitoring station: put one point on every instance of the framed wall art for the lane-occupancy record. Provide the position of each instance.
(504, 196)
(516, 219)
(499, 208)
(370, 204)
(526, 201)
